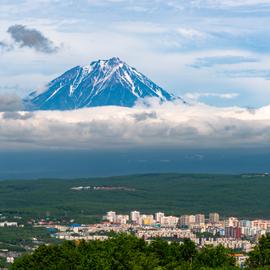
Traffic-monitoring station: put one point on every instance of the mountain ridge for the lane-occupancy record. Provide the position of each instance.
(109, 82)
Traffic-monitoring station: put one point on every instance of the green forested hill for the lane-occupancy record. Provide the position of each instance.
(246, 196)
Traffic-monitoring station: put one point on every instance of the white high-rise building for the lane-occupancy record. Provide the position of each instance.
(111, 216)
(135, 217)
(122, 219)
(214, 218)
(159, 216)
(169, 221)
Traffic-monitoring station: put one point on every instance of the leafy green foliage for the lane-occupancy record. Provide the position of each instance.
(2, 262)
(124, 252)
(260, 256)
(215, 257)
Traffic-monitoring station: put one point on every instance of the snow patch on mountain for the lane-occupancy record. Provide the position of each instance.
(102, 83)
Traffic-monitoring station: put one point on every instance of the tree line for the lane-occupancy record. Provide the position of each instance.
(127, 252)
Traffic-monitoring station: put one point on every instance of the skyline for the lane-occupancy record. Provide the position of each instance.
(224, 45)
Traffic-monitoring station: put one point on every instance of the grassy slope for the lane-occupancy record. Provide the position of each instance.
(173, 193)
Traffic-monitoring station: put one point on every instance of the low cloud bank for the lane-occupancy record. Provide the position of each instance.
(166, 125)
(10, 102)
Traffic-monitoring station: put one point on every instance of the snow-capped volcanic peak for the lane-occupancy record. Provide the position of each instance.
(101, 83)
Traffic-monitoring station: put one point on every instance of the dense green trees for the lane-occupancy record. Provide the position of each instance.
(215, 257)
(125, 252)
(260, 256)
(230, 195)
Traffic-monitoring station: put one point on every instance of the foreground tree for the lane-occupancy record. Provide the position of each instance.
(124, 252)
(215, 257)
(260, 256)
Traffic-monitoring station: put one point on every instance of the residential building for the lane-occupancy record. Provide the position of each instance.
(159, 216)
(169, 221)
(232, 222)
(233, 232)
(135, 217)
(111, 216)
(200, 219)
(184, 220)
(214, 218)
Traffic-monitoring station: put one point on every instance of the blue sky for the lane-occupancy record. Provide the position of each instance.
(207, 51)
(214, 51)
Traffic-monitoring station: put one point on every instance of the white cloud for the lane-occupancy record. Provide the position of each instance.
(162, 43)
(164, 125)
(10, 102)
(190, 33)
(197, 95)
(140, 27)
(234, 3)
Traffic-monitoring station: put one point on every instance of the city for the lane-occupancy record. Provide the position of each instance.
(238, 235)
(233, 233)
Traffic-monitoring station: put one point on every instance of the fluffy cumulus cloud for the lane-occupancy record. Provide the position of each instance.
(31, 38)
(167, 125)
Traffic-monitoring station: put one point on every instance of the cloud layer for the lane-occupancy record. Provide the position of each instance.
(167, 125)
(222, 60)
(197, 96)
(10, 102)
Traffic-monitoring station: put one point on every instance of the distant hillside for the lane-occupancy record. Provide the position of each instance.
(241, 195)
